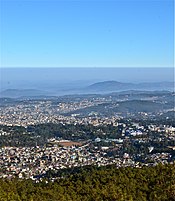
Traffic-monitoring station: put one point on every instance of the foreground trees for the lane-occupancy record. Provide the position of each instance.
(93, 183)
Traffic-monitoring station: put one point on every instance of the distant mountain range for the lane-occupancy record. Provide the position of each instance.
(96, 88)
(16, 93)
(108, 86)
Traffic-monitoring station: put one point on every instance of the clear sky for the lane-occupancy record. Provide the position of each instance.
(55, 33)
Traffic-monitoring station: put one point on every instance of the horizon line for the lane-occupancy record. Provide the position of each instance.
(148, 67)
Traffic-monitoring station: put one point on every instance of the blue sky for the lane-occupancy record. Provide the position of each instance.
(55, 33)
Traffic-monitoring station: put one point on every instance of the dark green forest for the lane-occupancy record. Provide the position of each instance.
(96, 183)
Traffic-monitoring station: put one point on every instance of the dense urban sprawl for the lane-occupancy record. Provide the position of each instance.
(98, 140)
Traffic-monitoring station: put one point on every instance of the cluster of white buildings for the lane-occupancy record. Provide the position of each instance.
(39, 112)
(34, 162)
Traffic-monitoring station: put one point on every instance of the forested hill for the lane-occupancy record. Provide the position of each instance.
(97, 184)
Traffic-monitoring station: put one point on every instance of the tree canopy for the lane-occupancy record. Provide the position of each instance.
(96, 184)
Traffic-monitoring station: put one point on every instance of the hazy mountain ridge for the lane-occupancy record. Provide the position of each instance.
(117, 86)
(16, 93)
(95, 88)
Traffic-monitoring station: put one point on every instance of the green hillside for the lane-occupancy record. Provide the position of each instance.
(101, 184)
